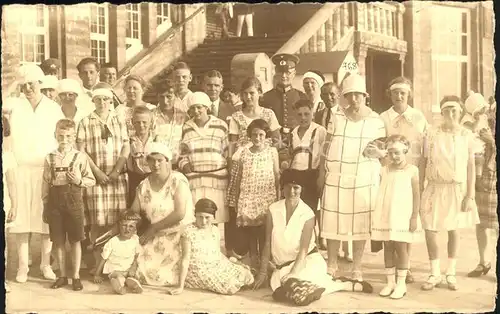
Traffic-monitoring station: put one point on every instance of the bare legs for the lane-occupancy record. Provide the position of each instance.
(333, 247)
(432, 250)
(248, 19)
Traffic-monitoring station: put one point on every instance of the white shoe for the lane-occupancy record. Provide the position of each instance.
(22, 275)
(387, 290)
(399, 292)
(48, 273)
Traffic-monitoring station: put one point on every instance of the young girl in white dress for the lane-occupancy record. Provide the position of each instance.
(395, 219)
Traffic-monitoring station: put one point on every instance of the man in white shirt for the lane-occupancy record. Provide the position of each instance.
(212, 86)
(88, 71)
(182, 77)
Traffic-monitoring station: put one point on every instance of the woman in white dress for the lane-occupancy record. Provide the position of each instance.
(291, 242)
(164, 198)
(448, 201)
(33, 123)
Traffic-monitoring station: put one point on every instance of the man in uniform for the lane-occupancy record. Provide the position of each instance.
(282, 98)
(51, 66)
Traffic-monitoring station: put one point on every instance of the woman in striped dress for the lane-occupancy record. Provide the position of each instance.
(203, 154)
(103, 137)
(134, 90)
(348, 178)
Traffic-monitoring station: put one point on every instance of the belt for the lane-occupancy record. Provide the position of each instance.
(209, 171)
(314, 250)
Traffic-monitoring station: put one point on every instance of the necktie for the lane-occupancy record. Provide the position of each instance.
(328, 116)
(213, 109)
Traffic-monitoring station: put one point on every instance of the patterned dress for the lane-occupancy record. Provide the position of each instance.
(209, 269)
(205, 149)
(238, 124)
(394, 207)
(103, 142)
(352, 180)
(446, 171)
(257, 186)
(158, 263)
(168, 130)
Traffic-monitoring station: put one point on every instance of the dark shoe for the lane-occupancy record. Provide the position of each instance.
(409, 277)
(77, 284)
(480, 270)
(60, 282)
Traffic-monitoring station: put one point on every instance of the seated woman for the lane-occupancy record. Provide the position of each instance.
(164, 198)
(300, 276)
(203, 264)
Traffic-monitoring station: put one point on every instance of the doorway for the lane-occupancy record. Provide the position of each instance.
(381, 68)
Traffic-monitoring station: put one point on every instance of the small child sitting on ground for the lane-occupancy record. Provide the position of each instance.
(119, 257)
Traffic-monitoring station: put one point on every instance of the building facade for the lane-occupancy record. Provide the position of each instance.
(444, 48)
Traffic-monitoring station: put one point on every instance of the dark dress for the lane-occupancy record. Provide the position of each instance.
(242, 9)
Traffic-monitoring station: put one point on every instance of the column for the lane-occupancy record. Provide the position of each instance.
(360, 52)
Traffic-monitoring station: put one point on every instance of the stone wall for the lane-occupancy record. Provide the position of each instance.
(10, 47)
(76, 34)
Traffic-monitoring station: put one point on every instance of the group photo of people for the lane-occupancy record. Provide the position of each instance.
(229, 188)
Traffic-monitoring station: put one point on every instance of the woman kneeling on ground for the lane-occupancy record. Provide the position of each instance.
(301, 275)
(203, 266)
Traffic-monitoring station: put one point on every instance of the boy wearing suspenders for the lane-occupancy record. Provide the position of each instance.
(307, 141)
(66, 173)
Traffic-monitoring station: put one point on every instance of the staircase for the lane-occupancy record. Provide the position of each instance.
(217, 55)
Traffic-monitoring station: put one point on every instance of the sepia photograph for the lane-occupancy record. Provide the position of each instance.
(193, 158)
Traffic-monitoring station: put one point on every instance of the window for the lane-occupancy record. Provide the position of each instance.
(99, 32)
(163, 17)
(133, 30)
(34, 35)
(450, 52)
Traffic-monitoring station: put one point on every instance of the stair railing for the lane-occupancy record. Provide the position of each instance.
(305, 36)
(180, 27)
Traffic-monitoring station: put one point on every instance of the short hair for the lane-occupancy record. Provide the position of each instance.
(129, 215)
(328, 85)
(232, 89)
(400, 80)
(88, 60)
(251, 82)
(398, 138)
(65, 124)
(303, 103)
(166, 88)
(107, 65)
(258, 124)
(141, 110)
(181, 66)
(137, 78)
(213, 73)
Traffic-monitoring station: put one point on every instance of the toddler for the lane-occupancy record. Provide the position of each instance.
(119, 257)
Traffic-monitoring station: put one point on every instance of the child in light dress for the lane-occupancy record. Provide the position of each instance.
(119, 257)
(258, 187)
(395, 219)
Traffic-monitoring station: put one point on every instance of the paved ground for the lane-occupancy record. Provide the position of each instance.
(474, 295)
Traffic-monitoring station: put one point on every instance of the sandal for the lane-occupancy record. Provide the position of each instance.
(431, 282)
(451, 280)
(480, 270)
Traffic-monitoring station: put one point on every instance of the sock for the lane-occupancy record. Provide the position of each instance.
(452, 266)
(401, 276)
(435, 268)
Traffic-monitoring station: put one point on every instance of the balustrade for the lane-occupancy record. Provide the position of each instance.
(381, 18)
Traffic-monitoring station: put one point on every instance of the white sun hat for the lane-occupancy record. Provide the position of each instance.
(354, 83)
(30, 73)
(474, 103)
(69, 86)
(49, 81)
(199, 98)
(159, 148)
